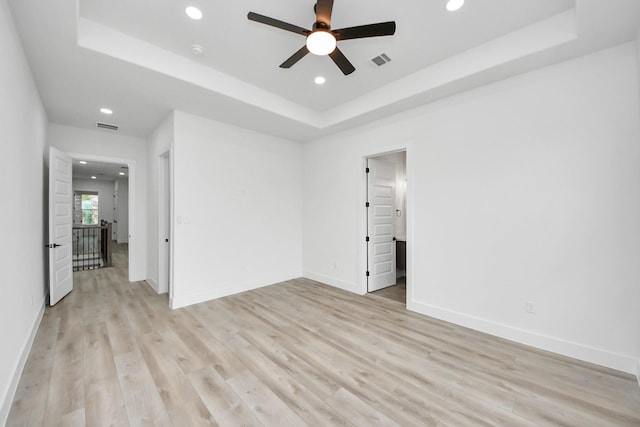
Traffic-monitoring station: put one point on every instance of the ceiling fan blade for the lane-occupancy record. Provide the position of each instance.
(323, 11)
(362, 31)
(342, 62)
(276, 23)
(295, 57)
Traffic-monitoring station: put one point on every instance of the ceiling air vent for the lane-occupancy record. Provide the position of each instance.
(107, 126)
(381, 59)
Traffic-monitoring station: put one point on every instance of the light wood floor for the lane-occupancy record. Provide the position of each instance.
(397, 292)
(293, 354)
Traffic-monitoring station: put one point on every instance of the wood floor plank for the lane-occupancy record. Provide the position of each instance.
(112, 353)
(263, 402)
(221, 400)
(308, 376)
(66, 387)
(178, 395)
(357, 411)
(308, 406)
(141, 397)
(103, 396)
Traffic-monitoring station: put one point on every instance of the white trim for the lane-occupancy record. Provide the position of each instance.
(22, 361)
(556, 345)
(332, 281)
(165, 266)
(172, 222)
(153, 284)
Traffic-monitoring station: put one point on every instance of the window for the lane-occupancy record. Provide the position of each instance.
(88, 208)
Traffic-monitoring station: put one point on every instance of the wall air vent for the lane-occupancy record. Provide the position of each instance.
(107, 126)
(381, 59)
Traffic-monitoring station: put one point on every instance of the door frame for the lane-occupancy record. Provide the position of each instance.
(165, 215)
(407, 147)
(133, 239)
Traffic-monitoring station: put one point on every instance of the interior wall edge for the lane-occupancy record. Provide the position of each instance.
(153, 284)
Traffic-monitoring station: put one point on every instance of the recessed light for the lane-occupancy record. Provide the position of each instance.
(197, 50)
(453, 5)
(82, 162)
(106, 111)
(93, 177)
(319, 80)
(121, 173)
(193, 13)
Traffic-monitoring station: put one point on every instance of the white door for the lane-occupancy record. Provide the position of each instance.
(60, 225)
(116, 207)
(381, 245)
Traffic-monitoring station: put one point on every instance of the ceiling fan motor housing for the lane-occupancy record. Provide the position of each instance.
(325, 44)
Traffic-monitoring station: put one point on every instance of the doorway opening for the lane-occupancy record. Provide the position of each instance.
(386, 225)
(61, 216)
(164, 226)
(114, 179)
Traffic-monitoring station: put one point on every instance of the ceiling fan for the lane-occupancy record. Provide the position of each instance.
(321, 39)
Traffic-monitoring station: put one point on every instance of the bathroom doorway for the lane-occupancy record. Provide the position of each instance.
(386, 224)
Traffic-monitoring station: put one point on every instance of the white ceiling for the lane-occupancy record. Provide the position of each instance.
(134, 56)
(101, 171)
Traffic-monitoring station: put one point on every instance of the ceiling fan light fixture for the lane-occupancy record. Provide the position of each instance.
(453, 5)
(321, 42)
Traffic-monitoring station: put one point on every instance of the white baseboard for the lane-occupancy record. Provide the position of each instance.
(13, 386)
(337, 283)
(153, 284)
(563, 347)
(185, 300)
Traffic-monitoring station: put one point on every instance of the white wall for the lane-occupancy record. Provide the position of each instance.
(237, 204)
(105, 191)
(638, 70)
(112, 145)
(22, 185)
(158, 143)
(523, 190)
(122, 211)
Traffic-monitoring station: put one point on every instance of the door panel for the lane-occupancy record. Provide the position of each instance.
(60, 225)
(381, 252)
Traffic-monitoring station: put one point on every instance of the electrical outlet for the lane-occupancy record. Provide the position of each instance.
(530, 307)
